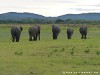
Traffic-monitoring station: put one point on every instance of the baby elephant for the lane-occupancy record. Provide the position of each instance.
(83, 32)
(34, 32)
(55, 30)
(69, 33)
(16, 32)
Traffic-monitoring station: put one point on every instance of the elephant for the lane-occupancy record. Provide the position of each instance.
(69, 33)
(16, 32)
(55, 30)
(34, 32)
(83, 32)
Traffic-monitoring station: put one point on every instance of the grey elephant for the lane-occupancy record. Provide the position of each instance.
(69, 33)
(83, 32)
(55, 30)
(15, 33)
(34, 32)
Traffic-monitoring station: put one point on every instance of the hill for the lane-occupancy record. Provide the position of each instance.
(18, 16)
(85, 16)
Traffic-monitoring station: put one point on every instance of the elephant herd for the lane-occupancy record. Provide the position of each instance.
(34, 32)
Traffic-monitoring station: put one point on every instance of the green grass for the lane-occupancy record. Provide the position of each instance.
(48, 56)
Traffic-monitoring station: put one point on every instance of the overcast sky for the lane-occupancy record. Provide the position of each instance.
(50, 7)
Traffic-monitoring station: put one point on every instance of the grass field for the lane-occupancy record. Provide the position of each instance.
(48, 56)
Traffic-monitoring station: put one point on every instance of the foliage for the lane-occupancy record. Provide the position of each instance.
(98, 52)
(59, 21)
(49, 21)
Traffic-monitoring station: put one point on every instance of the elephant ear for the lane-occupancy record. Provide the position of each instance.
(21, 28)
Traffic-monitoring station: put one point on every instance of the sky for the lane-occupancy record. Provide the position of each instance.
(50, 8)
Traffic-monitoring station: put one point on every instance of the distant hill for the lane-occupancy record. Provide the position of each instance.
(18, 16)
(85, 16)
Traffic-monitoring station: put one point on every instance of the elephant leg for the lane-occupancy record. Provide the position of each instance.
(36, 36)
(82, 36)
(13, 38)
(30, 38)
(39, 36)
(54, 36)
(33, 38)
(68, 36)
(17, 38)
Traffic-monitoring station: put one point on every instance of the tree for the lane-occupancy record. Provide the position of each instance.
(59, 21)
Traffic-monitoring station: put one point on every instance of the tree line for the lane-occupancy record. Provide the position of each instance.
(49, 21)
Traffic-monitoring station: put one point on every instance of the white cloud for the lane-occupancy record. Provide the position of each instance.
(50, 7)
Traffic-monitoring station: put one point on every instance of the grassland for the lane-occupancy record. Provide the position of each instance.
(48, 56)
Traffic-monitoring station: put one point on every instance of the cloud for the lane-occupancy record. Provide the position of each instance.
(84, 9)
(92, 5)
(50, 7)
(56, 1)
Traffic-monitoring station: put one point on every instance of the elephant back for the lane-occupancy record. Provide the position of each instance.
(16, 29)
(55, 28)
(83, 30)
(69, 31)
(34, 30)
